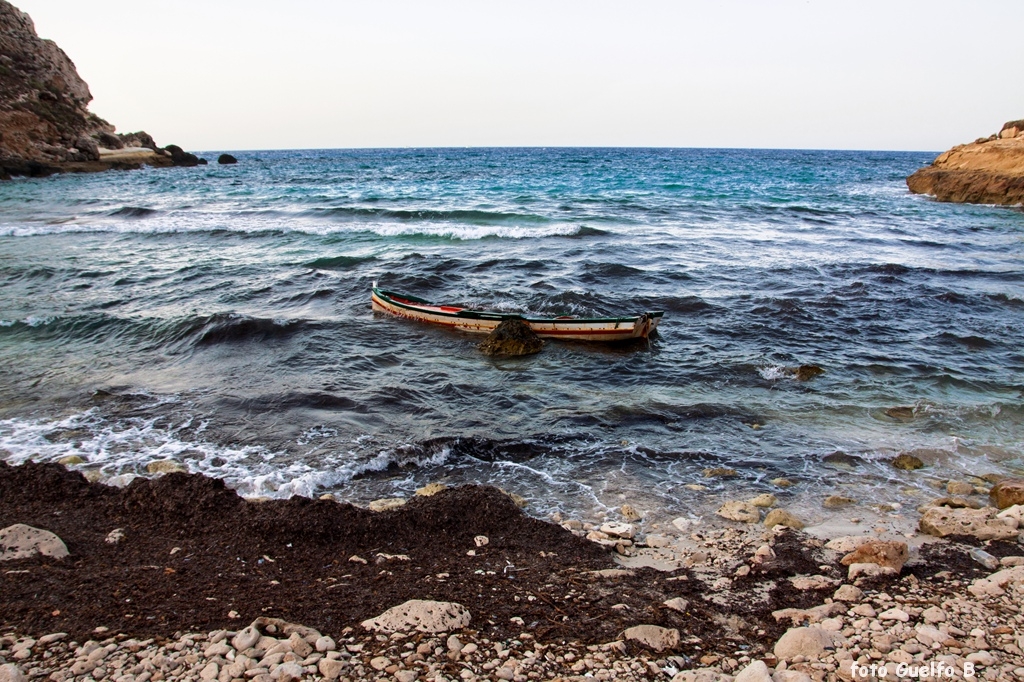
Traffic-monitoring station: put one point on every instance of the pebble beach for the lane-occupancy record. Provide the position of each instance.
(460, 584)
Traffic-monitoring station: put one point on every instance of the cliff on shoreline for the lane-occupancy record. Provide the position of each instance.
(989, 170)
(45, 124)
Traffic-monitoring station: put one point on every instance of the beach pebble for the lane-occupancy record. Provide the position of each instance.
(867, 570)
(755, 672)
(287, 671)
(387, 504)
(848, 593)
(933, 614)
(630, 513)
(481, 540)
(209, 672)
(431, 489)
(11, 673)
(245, 638)
(22, 542)
(619, 530)
(890, 553)
(812, 582)
(677, 604)
(763, 555)
(406, 676)
(324, 644)
(166, 466)
(331, 668)
(380, 662)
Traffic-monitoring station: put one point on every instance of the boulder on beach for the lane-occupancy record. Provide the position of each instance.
(653, 637)
(226, 159)
(512, 337)
(1007, 493)
(809, 642)
(21, 542)
(979, 523)
(421, 616)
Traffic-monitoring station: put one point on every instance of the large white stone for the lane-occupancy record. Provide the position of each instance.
(653, 637)
(11, 673)
(809, 642)
(755, 672)
(21, 542)
(421, 615)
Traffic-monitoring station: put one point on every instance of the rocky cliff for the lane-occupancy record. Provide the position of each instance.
(989, 170)
(45, 124)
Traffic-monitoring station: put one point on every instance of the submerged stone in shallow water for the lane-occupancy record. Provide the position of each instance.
(907, 462)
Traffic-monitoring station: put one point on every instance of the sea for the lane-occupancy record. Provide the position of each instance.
(219, 317)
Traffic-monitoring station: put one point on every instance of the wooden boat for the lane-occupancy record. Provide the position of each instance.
(484, 322)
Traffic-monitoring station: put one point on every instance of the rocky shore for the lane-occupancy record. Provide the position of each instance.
(178, 578)
(45, 124)
(989, 170)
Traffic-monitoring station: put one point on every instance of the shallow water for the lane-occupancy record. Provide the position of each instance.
(220, 316)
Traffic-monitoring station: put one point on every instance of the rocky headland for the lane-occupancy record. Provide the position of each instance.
(989, 170)
(178, 578)
(45, 124)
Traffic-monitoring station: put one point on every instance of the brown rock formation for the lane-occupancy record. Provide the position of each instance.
(989, 170)
(45, 124)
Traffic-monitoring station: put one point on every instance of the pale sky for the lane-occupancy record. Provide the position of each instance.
(250, 74)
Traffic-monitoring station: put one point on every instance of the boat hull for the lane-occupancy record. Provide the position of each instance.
(483, 322)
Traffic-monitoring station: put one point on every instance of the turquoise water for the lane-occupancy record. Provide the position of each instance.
(220, 317)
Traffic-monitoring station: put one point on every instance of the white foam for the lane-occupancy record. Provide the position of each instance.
(773, 372)
(193, 221)
(121, 450)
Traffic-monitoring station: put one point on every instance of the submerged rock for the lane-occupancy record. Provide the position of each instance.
(224, 159)
(512, 337)
(807, 372)
(781, 517)
(907, 462)
(743, 512)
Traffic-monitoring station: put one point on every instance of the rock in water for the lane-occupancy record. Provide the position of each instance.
(807, 372)
(179, 157)
(226, 159)
(512, 337)
(907, 462)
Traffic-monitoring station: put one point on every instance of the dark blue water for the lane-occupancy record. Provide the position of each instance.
(220, 317)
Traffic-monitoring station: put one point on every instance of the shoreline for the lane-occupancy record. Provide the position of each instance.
(192, 556)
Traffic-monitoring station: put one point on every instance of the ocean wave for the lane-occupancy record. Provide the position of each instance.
(227, 223)
(339, 262)
(133, 212)
(470, 216)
